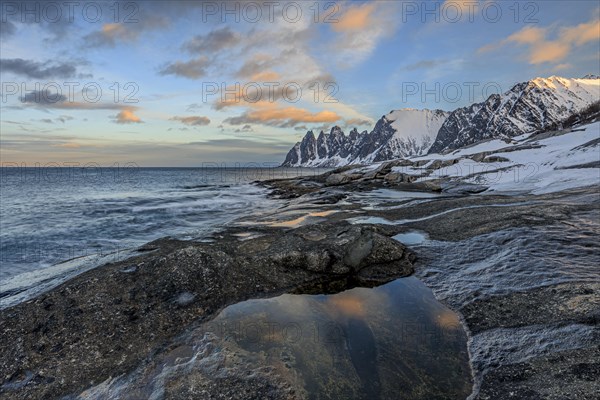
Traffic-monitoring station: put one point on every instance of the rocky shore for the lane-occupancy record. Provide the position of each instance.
(520, 269)
(103, 323)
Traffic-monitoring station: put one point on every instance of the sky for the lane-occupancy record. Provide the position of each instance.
(185, 83)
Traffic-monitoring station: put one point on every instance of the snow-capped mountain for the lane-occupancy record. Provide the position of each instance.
(537, 105)
(401, 133)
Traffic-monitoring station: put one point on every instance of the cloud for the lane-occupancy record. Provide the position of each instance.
(352, 122)
(355, 18)
(193, 69)
(62, 119)
(423, 64)
(193, 107)
(126, 116)
(582, 33)
(192, 121)
(148, 18)
(245, 128)
(254, 95)
(528, 35)
(43, 97)
(37, 70)
(283, 117)
(266, 76)
(110, 34)
(548, 52)
(257, 64)
(214, 41)
(7, 29)
(544, 50)
(359, 31)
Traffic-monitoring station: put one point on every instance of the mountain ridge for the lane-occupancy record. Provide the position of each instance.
(532, 106)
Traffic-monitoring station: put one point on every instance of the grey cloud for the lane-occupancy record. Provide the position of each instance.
(245, 128)
(255, 65)
(64, 118)
(193, 69)
(7, 29)
(44, 97)
(246, 119)
(216, 40)
(192, 120)
(423, 64)
(37, 70)
(352, 122)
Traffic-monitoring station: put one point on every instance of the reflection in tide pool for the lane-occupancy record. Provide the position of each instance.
(394, 341)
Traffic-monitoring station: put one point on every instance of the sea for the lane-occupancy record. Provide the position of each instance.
(55, 218)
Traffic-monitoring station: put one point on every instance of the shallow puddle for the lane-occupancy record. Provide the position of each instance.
(411, 238)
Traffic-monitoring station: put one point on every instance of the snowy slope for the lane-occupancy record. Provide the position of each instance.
(535, 106)
(531, 165)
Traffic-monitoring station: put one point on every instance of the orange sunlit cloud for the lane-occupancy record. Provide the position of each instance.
(127, 116)
(542, 50)
(548, 52)
(292, 114)
(266, 76)
(528, 35)
(355, 18)
(582, 33)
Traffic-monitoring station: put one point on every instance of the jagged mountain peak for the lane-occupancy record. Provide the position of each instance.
(401, 133)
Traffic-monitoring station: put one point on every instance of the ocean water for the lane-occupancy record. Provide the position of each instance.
(49, 215)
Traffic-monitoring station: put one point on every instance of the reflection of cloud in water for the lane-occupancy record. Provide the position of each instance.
(356, 303)
(447, 319)
(296, 222)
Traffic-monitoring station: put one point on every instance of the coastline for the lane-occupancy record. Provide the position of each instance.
(317, 211)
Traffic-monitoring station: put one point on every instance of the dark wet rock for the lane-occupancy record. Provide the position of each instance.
(399, 177)
(437, 164)
(495, 159)
(569, 302)
(559, 376)
(104, 322)
(590, 144)
(421, 163)
(464, 188)
(591, 164)
(337, 179)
